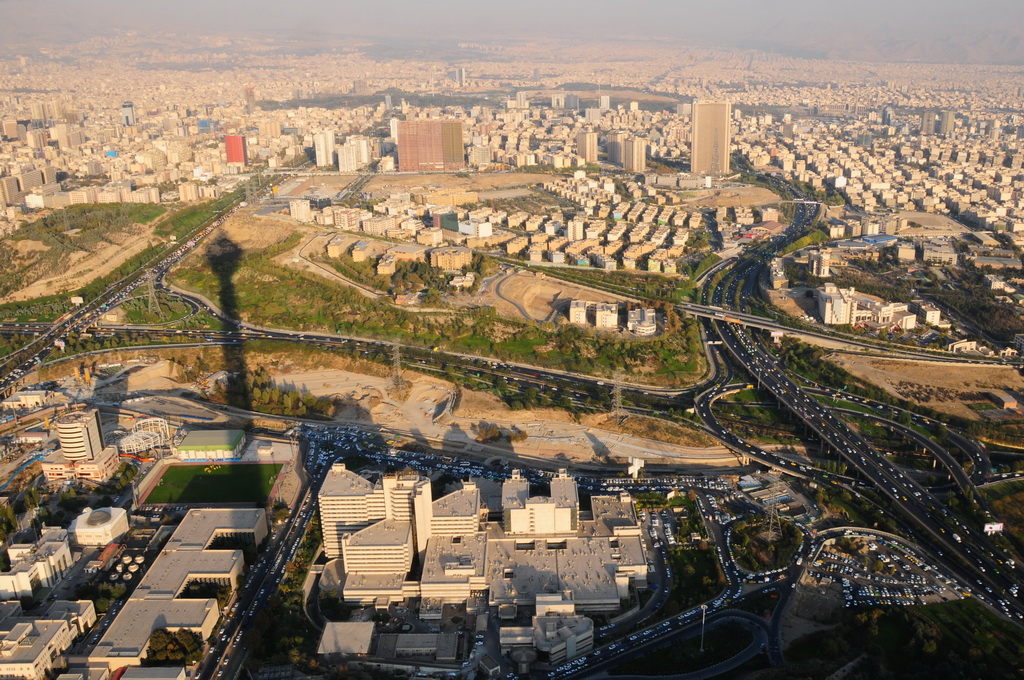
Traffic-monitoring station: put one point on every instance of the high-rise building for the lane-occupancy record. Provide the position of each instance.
(236, 151)
(128, 114)
(634, 154)
(586, 146)
(947, 120)
(460, 76)
(430, 146)
(558, 101)
(711, 138)
(572, 101)
(928, 122)
(604, 102)
(80, 434)
(250, 99)
(615, 140)
(323, 148)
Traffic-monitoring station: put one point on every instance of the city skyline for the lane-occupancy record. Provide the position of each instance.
(944, 31)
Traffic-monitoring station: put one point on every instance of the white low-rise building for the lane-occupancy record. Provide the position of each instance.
(99, 527)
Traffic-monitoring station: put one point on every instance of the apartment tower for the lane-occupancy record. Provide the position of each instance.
(710, 138)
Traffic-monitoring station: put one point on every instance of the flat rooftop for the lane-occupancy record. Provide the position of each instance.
(462, 503)
(342, 482)
(211, 440)
(387, 533)
(201, 526)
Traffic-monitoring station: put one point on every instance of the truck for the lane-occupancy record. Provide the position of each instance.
(956, 537)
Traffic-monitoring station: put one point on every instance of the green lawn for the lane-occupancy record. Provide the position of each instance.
(215, 483)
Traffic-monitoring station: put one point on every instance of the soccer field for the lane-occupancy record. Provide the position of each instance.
(215, 483)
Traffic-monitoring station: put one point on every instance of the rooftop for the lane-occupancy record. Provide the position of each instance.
(211, 440)
(343, 482)
(346, 637)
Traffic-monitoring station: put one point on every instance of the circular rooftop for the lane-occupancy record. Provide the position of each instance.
(98, 517)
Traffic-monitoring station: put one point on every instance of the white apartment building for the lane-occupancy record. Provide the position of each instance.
(845, 306)
(36, 565)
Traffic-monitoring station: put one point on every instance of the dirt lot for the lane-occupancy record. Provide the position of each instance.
(944, 387)
(83, 267)
(256, 233)
(794, 301)
(539, 298)
(930, 224)
(733, 197)
(382, 185)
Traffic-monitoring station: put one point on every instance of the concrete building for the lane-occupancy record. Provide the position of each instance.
(452, 258)
(99, 527)
(578, 312)
(820, 263)
(236, 149)
(586, 146)
(606, 315)
(323, 148)
(36, 565)
(298, 209)
(430, 146)
(642, 322)
(82, 454)
(711, 138)
(634, 154)
(845, 306)
(189, 556)
(211, 445)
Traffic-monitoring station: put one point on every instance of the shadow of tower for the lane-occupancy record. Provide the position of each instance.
(224, 257)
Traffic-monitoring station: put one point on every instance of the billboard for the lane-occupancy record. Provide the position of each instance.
(993, 528)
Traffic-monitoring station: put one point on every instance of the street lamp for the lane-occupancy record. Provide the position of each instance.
(703, 617)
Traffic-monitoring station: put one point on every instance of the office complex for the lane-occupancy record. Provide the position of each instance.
(710, 138)
(190, 556)
(541, 545)
(236, 151)
(430, 146)
(128, 114)
(586, 146)
(82, 453)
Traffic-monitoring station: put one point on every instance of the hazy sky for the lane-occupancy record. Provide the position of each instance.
(815, 25)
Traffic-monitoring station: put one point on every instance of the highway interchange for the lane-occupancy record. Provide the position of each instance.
(981, 567)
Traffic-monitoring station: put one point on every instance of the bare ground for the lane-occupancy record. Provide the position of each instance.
(944, 387)
(542, 298)
(383, 185)
(733, 197)
(83, 267)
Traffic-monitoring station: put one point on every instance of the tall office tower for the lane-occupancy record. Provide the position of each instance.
(522, 100)
(572, 101)
(710, 138)
(592, 115)
(558, 101)
(634, 154)
(387, 102)
(323, 148)
(460, 76)
(615, 140)
(250, 99)
(235, 147)
(928, 123)
(604, 102)
(947, 121)
(586, 146)
(128, 114)
(80, 435)
(430, 146)
(888, 115)
(684, 109)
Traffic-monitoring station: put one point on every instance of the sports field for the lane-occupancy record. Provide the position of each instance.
(215, 483)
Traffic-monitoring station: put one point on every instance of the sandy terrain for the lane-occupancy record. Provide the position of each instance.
(382, 185)
(732, 197)
(794, 301)
(256, 233)
(944, 387)
(83, 267)
(535, 297)
(930, 224)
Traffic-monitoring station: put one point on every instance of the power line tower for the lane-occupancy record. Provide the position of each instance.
(774, 532)
(617, 411)
(154, 304)
(397, 383)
